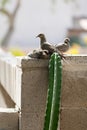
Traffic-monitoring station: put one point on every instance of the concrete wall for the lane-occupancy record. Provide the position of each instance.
(33, 94)
(32, 83)
(73, 114)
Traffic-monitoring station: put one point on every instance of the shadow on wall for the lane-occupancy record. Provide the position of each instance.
(5, 100)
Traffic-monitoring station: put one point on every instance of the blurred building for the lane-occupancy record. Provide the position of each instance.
(78, 32)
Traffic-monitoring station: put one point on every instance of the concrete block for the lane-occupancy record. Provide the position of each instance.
(31, 121)
(9, 119)
(33, 100)
(74, 82)
(73, 119)
(26, 62)
(35, 84)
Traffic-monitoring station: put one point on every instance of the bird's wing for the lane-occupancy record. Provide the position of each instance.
(59, 44)
(47, 43)
(49, 47)
(62, 47)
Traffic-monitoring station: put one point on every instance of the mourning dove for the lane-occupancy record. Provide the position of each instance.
(46, 45)
(63, 47)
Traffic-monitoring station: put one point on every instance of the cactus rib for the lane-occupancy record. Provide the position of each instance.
(54, 91)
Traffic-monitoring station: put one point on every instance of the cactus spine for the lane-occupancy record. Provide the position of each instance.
(54, 91)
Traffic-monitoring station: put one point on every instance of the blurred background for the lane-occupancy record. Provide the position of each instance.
(22, 20)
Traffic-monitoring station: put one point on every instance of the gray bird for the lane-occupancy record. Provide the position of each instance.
(63, 47)
(39, 54)
(46, 45)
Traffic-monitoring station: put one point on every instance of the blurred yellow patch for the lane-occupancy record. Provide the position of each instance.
(85, 40)
(17, 52)
(75, 49)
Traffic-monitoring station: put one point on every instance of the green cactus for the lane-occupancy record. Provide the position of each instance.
(50, 93)
(54, 91)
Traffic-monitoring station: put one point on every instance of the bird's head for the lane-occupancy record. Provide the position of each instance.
(42, 38)
(41, 35)
(67, 40)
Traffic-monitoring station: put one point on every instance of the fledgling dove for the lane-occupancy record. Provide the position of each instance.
(39, 54)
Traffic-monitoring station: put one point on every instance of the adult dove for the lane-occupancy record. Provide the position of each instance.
(63, 47)
(46, 45)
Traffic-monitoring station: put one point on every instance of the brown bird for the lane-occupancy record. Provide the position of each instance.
(63, 47)
(46, 45)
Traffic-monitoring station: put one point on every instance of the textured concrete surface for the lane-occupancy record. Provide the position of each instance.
(73, 114)
(33, 100)
(9, 120)
(73, 119)
(74, 82)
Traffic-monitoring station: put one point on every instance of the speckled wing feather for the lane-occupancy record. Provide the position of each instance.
(49, 47)
(63, 47)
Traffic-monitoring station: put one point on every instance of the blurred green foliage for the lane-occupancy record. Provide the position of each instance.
(4, 2)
